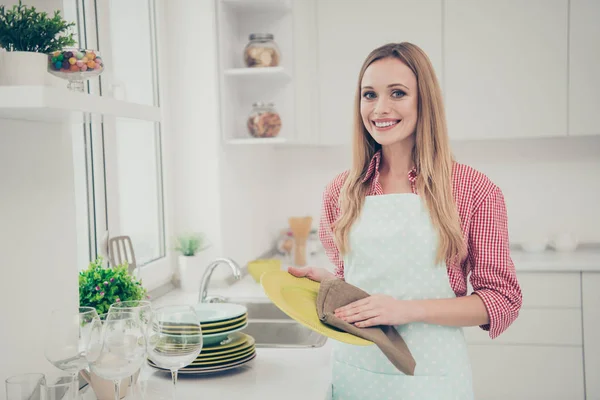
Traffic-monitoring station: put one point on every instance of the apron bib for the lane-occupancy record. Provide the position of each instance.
(393, 247)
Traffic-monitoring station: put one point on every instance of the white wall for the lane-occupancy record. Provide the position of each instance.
(191, 141)
(550, 185)
(38, 245)
(243, 195)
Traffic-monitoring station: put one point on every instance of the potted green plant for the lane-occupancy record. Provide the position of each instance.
(189, 265)
(27, 36)
(99, 287)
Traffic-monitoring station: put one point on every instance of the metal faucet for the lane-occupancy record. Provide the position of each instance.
(237, 274)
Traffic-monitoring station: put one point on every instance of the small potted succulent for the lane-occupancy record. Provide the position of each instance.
(100, 287)
(27, 36)
(189, 265)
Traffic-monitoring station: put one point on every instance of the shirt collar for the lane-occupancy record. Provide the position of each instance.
(373, 169)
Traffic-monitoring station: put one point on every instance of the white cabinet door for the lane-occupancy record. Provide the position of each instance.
(527, 372)
(347, 32)
(591, 329)
(305, 72)
(584, 79)
(548, 327)
(505, 68)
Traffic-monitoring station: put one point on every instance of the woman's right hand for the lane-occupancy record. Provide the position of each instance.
(312, 273)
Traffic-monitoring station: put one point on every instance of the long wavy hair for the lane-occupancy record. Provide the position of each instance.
(431, 156)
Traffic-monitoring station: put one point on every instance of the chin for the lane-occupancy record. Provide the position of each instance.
(387, 139)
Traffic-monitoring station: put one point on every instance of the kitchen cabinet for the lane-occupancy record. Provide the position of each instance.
(584, 58)
(347, 32)
(540, 356)
(506, 68)
(527, 372)
(306, 72)
(591, 327)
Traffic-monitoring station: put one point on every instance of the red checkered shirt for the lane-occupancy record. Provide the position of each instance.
(482, 212)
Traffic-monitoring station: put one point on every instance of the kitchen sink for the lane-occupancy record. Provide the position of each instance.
(271, 327)
(265, 310)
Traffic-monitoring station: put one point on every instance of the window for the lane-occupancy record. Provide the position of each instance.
(119, 161)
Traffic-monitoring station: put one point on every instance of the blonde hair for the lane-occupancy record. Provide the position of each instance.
(431, 156)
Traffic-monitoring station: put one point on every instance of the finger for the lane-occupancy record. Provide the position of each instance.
(353, 311)
(369, 322)
(299, 272)
(358, 303)
(361, 316)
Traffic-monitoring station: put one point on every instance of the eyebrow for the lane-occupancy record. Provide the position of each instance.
(389, 86)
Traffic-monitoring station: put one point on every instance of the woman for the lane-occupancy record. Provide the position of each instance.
(409, 225)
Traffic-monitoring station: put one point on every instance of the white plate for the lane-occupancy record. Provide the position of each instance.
(213, 312)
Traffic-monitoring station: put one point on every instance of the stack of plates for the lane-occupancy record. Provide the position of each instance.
(224, 346)
(219, 320)
(234, 352)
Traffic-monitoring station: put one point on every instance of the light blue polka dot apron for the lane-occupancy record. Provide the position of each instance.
(393, 247)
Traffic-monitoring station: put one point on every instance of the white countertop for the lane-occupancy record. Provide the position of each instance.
(290, 374)
(581, 260)
(585, 259)
(275, 374)
(278, 373)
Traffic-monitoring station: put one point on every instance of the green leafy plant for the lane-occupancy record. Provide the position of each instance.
(23, 28)
(100, 287)
(190, 244)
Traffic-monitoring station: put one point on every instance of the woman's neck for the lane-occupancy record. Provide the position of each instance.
(397, 159)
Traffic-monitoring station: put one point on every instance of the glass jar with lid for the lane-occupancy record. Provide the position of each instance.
(262, 51)
(263, 121)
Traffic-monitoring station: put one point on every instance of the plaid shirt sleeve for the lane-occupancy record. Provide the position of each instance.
(493, 276)
(329, 214)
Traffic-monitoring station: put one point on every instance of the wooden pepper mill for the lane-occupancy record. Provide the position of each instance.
(300, 227)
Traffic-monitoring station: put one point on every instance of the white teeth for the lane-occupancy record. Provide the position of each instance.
(385, 124)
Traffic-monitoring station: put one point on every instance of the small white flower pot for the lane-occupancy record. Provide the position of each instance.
(190, 269)
(24, 68)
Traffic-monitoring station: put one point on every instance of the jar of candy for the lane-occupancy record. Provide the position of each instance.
(264, 121)
(261, 51)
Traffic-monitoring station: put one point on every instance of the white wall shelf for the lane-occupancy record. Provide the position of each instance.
(274, 73)
(255, 141)
(241, 87)
(58, 105)
(280, 6)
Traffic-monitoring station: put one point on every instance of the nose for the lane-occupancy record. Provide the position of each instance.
(382, 107)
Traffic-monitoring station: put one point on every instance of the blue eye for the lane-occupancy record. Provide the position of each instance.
(369, 95)
(398, 93)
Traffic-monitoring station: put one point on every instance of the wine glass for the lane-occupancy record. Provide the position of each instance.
(174, 339)
(121, 349)
(143, 309)
(67, 338)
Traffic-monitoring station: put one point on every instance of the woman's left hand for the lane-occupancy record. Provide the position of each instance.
(378, 309)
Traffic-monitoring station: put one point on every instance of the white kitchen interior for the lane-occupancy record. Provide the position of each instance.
(167, 151)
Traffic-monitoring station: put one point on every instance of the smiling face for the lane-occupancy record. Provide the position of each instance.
(389, 98)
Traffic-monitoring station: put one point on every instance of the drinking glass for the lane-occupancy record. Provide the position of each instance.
(175, 339)
(67, 338)
(24, 386)
(143, 309)
(59, 388)
(121, 349)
